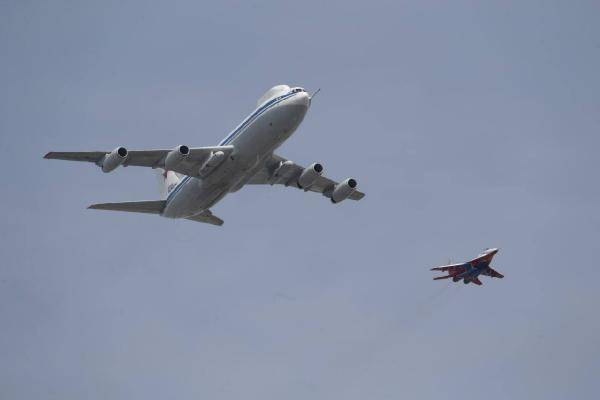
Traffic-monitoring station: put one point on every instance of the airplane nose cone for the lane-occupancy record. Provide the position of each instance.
(298, 104)
(301, 99)
(293, 109)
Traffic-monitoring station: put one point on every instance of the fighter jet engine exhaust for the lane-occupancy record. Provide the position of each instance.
(113, 159)
(343, 190)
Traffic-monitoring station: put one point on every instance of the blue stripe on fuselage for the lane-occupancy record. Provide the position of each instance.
(178, 187)
(236, 132)
(253, 116)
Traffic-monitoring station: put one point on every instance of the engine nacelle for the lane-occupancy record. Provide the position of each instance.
(113, 159)
(176, 156)
(310, 175)
(284, 170)
(216, 158)
(343, 190)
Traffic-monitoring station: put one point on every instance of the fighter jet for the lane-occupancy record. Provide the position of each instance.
(470, 271)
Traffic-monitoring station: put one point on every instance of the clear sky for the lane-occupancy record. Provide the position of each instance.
(467, 124)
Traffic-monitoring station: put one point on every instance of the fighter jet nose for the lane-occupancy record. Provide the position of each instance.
(493, 251)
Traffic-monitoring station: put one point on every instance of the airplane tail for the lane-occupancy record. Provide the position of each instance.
(147, 207)
(155, 207)
(167, 181)
(495, 274)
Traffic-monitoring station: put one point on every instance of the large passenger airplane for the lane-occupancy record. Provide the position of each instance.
(196, 178)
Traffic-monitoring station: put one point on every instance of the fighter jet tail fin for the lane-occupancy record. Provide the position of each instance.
(495, 274)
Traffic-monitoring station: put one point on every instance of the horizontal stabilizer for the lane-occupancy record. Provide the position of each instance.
(207, 217)
(147, 207)
(495, 274)
(492, 272)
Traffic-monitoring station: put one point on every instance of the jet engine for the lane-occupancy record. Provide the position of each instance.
(343, 190)
(113, 159)
(176, 156)
(310, 175)
(284, 170)
(211, 163)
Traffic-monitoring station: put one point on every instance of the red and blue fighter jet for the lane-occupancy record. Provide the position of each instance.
(470, 271)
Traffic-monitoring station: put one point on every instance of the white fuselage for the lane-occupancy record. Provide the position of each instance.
(254, 141)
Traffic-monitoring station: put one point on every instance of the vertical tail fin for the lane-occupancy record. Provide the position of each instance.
(167, 181)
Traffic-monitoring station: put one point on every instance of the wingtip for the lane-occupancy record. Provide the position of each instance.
(98, 207)
(47, 155)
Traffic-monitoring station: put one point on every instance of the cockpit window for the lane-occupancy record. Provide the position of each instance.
(296, 90)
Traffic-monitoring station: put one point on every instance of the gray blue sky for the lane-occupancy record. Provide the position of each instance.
(468, 125)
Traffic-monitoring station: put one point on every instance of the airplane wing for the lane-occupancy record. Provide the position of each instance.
(188, 165)
(491, 272)
(269, 175)
(484, 258)
(451, 268)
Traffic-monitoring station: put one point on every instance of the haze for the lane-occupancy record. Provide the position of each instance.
(467, 124)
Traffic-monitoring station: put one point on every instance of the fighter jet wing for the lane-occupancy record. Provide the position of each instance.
(451, 267)
(484, 258)
(280, 171)
(188, 165)
(491, 272)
